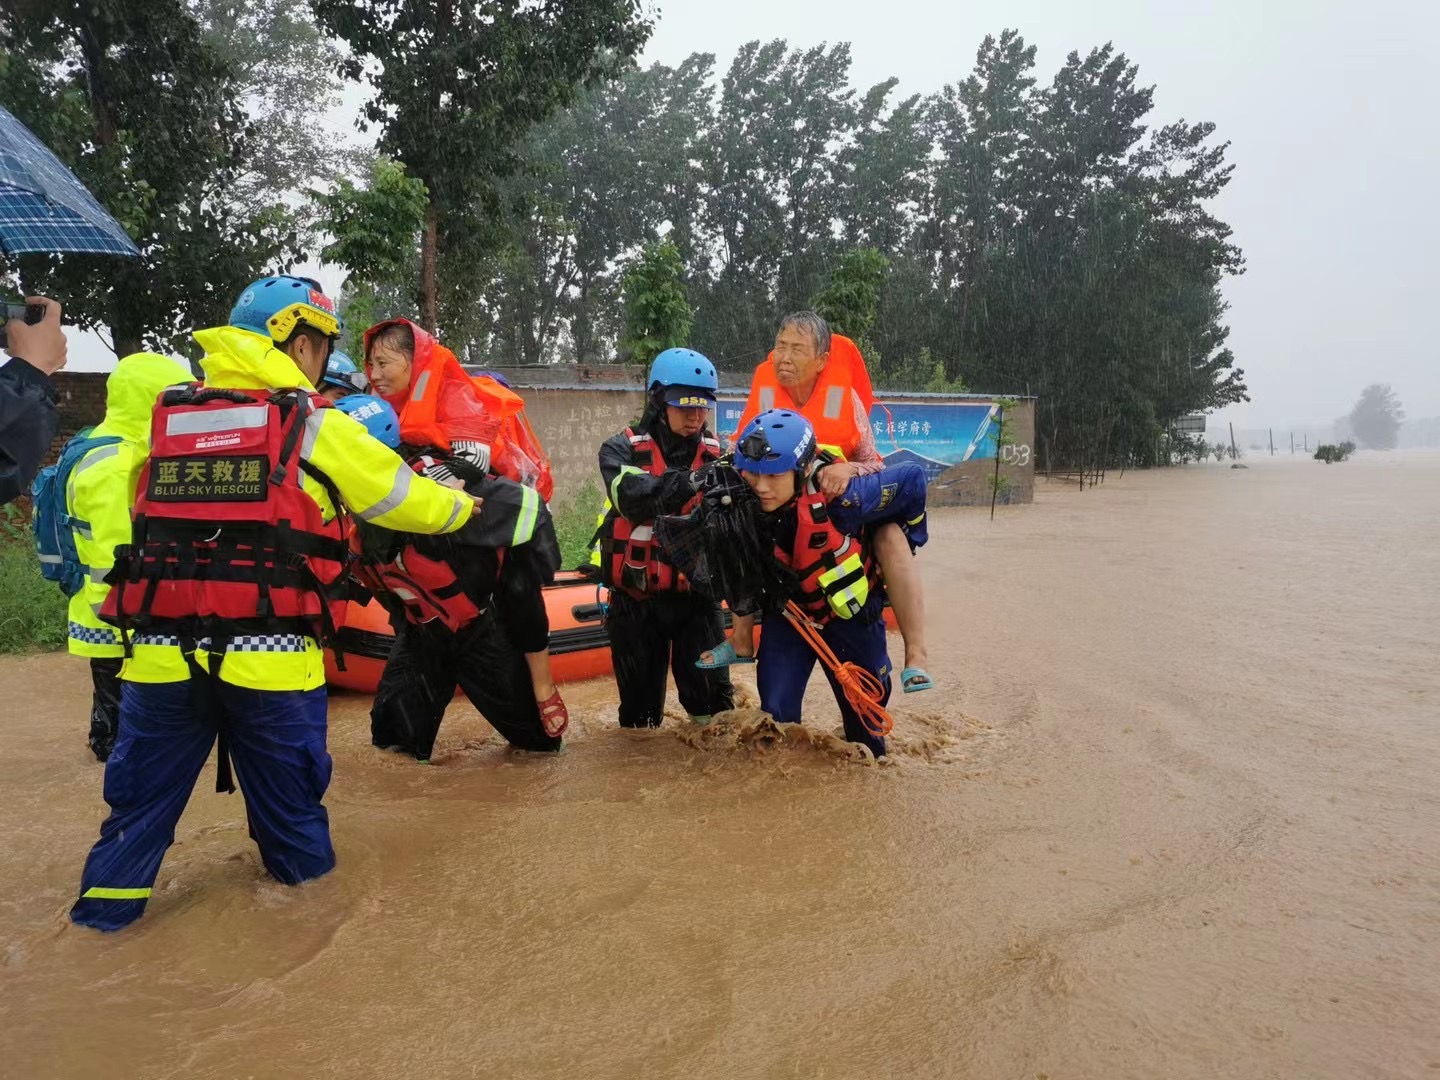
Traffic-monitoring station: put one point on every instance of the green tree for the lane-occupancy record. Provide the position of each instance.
(657, 314)
(376, 237)
(773, 189)
(148, 114)
(1050, 239)
(1330, 454)
(1377, 416)
(1079, 263)
(283, 70)
(851, 298)
(458, 84)
(600, 180)
(884, 172)
(376, 229)
(978, 190)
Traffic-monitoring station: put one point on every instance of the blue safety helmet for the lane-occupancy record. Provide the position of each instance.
(342, 374)
(689, 377)
(277, 306)
(777, 441)
(376, 414)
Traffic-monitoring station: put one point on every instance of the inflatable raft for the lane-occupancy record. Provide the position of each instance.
(579, 645)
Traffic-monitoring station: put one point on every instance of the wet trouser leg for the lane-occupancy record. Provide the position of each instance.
(861, 641)
(783, 665)
(785, 660)
(417, 685)
(277, 745)
(520, 601)
(162, 747)
(896, 495)
(695, 625)
(104, 704)
(493, 674)
(640, 656)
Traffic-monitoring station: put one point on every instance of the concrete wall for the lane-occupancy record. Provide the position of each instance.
(575, 409)
(574, 419)
(970, 483)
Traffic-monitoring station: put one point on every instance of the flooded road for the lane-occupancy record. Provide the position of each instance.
(1173, 812)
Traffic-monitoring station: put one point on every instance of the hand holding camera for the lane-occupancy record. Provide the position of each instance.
(32, 333)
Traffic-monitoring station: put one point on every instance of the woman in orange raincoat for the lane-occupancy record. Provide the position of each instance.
(462, 428)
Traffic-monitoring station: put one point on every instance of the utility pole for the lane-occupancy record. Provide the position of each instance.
(1272, 441)
(1292, 444)
(999, 446)
(1234, 454)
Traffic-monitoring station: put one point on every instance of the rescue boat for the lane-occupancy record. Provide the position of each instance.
(579, 644)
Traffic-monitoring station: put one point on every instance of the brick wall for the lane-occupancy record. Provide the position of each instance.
(81, 399)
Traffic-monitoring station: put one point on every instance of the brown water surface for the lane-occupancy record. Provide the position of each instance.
(1173, 812)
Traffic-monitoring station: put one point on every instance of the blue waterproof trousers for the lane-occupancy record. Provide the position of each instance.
(785, 660)
(894, 494)
(277, 746)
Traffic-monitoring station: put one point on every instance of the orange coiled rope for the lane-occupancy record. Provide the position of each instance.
(862, 689)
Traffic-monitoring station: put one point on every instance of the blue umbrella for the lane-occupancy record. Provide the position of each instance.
(43, 207)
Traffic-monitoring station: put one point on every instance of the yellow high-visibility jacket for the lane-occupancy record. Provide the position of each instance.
(373, 482)
(101, 491)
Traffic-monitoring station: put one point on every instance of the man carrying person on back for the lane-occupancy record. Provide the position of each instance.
(822, 377)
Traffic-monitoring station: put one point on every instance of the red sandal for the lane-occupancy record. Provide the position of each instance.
(554, 716)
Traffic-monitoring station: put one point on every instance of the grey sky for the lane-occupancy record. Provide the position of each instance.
(1333, 125)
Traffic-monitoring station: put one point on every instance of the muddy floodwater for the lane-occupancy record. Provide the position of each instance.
(1173, 812)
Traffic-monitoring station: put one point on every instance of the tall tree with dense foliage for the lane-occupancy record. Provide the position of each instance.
(133, 96)
(1377, 416)
(657, 314)
(458, 84)
(851, 298)
(375, 233)
(773, 190)
(1037, 236)
(283, 67)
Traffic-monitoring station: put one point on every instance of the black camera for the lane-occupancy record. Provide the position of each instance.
(14, 309)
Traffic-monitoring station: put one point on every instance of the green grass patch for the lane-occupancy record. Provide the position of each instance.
(32, 610)
(575, 523)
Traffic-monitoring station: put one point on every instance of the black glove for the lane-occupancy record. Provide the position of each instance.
(703, 477)
(676, 489)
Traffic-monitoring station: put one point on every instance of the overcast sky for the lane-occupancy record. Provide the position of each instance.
(1334, 132)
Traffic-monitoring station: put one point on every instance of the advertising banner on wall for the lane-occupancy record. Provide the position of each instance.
(937, 435)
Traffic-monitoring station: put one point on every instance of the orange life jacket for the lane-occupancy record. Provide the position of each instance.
(830, 407)
(837, 572)
(630, 560)
(444, 403)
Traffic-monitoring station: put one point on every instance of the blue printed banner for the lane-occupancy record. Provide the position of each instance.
(936, 435)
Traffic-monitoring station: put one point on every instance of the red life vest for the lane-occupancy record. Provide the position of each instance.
(630, 560)
(225, 539)
(836, 571)
(428, 588)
